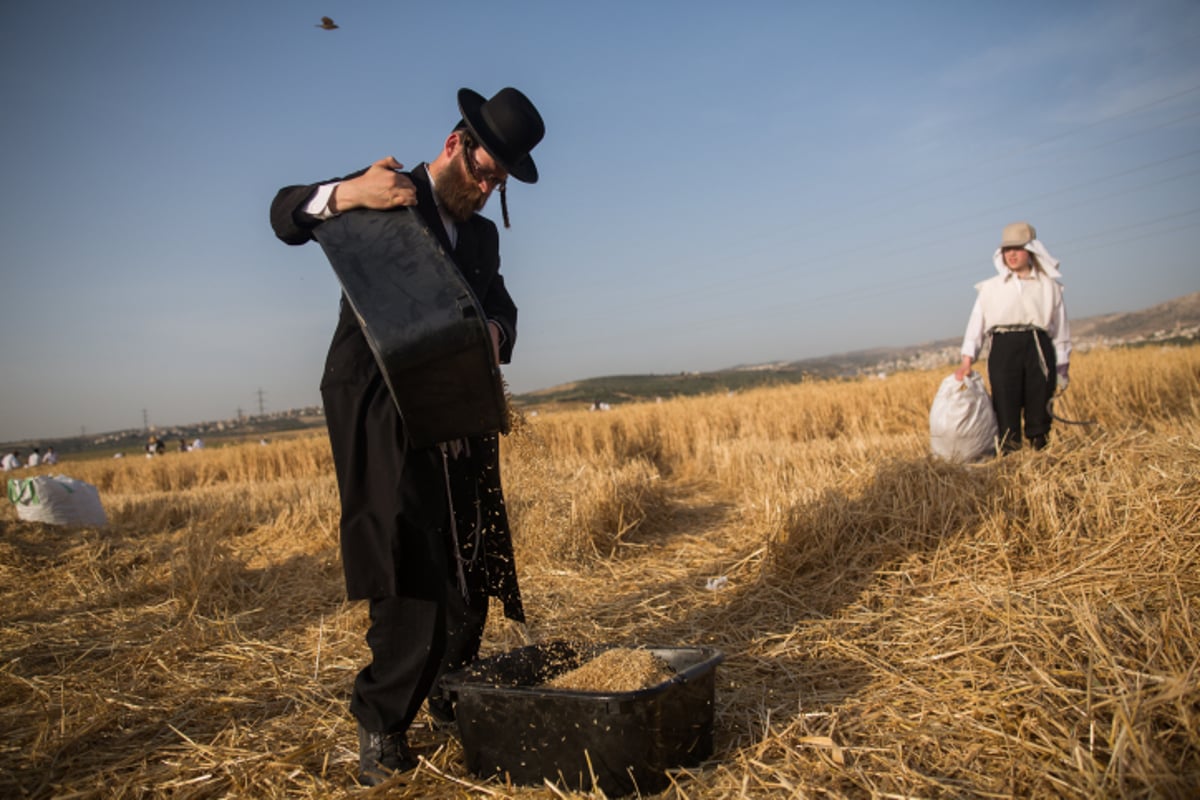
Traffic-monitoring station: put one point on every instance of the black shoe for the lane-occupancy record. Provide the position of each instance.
(1010, 444)
(1038, 442)
(381, 755)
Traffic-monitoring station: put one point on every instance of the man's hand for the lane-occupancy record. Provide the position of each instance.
(381, 187)
(494, 330)
(962, 371)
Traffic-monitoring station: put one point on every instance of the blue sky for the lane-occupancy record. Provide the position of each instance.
(721, 184)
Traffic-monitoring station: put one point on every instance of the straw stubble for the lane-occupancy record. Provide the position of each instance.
(892, 625)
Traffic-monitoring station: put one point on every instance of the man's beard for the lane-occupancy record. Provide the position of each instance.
(458, 195)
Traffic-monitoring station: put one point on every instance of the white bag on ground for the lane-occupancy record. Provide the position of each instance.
(962, 423)
(57, 501)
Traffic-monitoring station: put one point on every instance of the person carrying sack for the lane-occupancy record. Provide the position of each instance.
(1021, 309)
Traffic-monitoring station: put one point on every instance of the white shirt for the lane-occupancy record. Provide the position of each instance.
(1009, 300)
(318, 206)
(447, 221)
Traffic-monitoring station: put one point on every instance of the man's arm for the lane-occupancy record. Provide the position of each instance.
(972, 339)
(498, 306)
(379, 186)
(289, 220)
(501, 314)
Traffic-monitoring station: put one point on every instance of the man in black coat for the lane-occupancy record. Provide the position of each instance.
(424, 532)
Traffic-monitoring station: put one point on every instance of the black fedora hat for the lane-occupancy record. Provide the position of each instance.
(508, 127)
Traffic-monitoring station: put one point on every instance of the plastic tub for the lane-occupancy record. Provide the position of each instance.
(512, 725)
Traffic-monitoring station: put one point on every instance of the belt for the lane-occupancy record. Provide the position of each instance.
(1036, 341)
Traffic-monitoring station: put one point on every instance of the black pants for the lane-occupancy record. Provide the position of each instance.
(1019, 385)
(413, 643)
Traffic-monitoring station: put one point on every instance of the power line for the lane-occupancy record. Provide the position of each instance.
(750, 279)
(937, 276)
(912, 282)
(759, 240)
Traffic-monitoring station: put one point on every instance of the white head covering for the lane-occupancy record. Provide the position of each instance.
(1047, 262)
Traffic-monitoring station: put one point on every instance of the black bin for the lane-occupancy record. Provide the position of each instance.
(422, 321)
(510, 724)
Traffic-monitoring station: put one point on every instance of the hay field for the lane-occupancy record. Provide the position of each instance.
(893, 626)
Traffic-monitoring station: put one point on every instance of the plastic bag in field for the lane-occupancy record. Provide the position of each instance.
(57, 501)
(962, 423)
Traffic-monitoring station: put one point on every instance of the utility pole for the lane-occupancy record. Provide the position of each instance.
(261, 406)
(145, 420)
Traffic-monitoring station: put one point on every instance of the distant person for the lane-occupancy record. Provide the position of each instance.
(11, 461)
(50, 457)
(197, 443)
(183, 445)
(35, 457)
(1022, 310)
(424, 530)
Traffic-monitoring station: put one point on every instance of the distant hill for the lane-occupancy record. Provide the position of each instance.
(1176, 320)
(1163, 321)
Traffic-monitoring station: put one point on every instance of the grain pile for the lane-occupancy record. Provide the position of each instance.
(620, 669)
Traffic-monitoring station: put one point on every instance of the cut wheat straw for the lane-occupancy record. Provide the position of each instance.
(892, 626)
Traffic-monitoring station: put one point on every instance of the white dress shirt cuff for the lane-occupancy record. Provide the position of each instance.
(318, 206)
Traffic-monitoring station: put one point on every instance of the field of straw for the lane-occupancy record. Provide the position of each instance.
(893, 626)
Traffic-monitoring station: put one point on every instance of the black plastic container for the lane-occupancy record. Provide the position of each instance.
(423, 323)
(511, 724)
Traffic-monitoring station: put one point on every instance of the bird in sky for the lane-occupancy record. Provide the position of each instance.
(327, 24)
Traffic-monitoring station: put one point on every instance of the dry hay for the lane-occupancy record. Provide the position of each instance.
(892, 626)
(621, 669)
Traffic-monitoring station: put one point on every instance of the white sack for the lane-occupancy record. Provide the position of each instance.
(962, 423)
(57, 501)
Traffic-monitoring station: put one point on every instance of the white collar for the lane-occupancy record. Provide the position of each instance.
(447, 221)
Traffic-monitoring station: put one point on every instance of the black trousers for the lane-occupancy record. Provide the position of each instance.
(1020, 386)
(413, 643)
